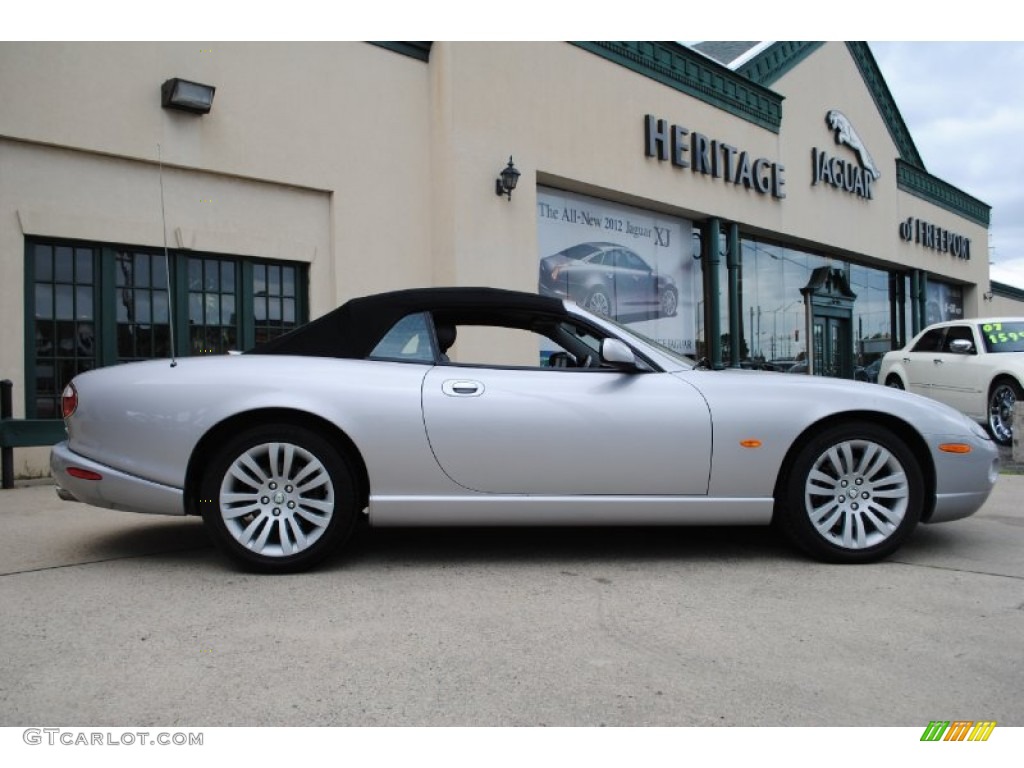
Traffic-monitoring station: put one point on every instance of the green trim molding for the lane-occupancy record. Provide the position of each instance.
(1006, 291)
(415, 50)
(776, 60)
(884, 102)
(696, 75)
(920, 183)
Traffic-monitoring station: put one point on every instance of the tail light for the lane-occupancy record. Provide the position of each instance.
(69, 400)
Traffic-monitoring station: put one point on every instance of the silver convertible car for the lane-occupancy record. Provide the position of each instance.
(438, 407)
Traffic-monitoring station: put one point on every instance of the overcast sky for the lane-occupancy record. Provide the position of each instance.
(964, 106)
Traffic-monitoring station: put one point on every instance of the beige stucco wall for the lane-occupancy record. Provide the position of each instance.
(313, 152)
(574, 120)
(378, 169)
(1001, 306)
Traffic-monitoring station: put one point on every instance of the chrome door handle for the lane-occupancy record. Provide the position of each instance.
(462, 388)
(936, 361)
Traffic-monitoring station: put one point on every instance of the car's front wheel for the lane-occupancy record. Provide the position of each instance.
(1003, 397)
(853, 495)
(895, 382)
(278, 498)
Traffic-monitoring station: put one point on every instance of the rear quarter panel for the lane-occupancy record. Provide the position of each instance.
(146, 418)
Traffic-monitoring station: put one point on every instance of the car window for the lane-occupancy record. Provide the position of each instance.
(958, 333)
(558, 344)
(409, 340)
(580, 251)
(1003, 337)
(930, 342)
(632, 261)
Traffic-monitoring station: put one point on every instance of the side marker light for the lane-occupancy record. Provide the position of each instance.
(955, 448)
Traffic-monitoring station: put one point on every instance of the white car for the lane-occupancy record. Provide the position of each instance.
(975, 366)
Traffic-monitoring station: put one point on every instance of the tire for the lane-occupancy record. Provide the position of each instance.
(599, 303)
(278, 499)
(668, 302)
(853, 495)
(1001, 400)
(895, 382)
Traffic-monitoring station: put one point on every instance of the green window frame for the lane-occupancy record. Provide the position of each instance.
(60, 336)
(89, 305)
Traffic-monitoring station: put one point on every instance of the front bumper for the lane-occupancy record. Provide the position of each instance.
(116, 489)
(963, 481)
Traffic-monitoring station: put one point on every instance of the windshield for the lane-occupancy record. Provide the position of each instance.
(1003, 337)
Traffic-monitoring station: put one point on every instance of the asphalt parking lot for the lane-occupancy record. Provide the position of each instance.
(114, 618)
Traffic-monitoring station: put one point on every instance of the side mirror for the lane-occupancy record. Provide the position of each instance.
(961, 347)
(618, 355)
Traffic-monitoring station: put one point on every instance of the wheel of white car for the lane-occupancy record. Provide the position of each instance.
(1004, 395)
(895, 382)
(278, 498)
(854, 494)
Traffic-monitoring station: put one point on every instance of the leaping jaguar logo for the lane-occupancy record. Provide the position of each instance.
(845, 134)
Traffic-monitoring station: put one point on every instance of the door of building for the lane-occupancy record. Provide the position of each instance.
(833, 346)
(831, 302)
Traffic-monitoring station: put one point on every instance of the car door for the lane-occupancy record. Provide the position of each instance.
(564, 431)
(919, 362)
(634, 282)
(959, 379)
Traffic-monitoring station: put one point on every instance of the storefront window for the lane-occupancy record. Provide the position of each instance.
(91, 305)
(787, 293)
(143, 319)
(64, 321)
(943, 301)
(212, 319)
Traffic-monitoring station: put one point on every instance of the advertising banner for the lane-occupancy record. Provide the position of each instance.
(629, 264)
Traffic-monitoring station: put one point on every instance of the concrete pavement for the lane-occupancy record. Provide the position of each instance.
(113, 618)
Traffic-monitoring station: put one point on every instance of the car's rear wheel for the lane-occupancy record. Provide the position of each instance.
(853, 495)
(278, 498)
(1001, 401)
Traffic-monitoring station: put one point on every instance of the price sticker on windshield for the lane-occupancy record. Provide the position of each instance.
(1001, 335)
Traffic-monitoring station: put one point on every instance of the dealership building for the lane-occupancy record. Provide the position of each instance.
(756, 204)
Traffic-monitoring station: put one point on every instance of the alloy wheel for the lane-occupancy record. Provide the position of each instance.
(276, 499)
(856, 494)
(1000, 412)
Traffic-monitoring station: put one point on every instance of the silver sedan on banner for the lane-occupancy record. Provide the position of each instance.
(477, 406)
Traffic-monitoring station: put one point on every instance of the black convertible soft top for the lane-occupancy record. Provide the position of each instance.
(354, 329)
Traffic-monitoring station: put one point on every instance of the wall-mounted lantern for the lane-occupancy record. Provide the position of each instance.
(186, 96)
